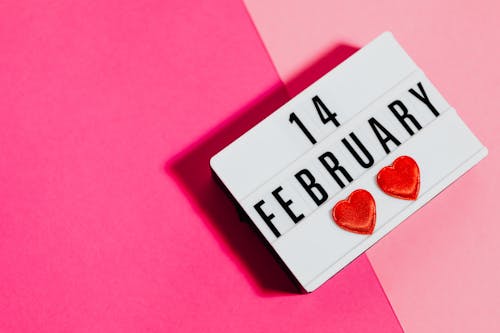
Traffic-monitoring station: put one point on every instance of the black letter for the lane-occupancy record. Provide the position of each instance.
(376, 127)
(424, 99)
(328, 116)
(368, 156)
(266, 218)
(334, 166)
(310, 184)
(286, 205)
(294, 119)
(402, 116)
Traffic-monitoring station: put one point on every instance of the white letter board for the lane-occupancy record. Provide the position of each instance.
(260, 168)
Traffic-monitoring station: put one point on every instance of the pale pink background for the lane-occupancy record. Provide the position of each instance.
(109, 221)
(440, 268)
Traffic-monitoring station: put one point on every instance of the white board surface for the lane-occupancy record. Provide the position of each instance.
(262, 168)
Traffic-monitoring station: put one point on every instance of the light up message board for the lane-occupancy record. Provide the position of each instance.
(344, 162)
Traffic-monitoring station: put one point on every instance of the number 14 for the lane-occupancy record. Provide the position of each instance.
(324, 114)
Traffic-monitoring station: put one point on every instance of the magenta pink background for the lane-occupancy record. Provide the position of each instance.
(109, 220)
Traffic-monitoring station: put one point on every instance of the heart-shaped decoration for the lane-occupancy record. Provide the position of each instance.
(356, 213)
(401, 179)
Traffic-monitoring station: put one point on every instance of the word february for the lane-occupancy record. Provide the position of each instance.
(359, 152)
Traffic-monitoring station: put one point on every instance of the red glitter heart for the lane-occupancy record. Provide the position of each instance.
(356, 213)
(401, 179)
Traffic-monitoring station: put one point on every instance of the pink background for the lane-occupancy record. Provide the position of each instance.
(110, 222)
